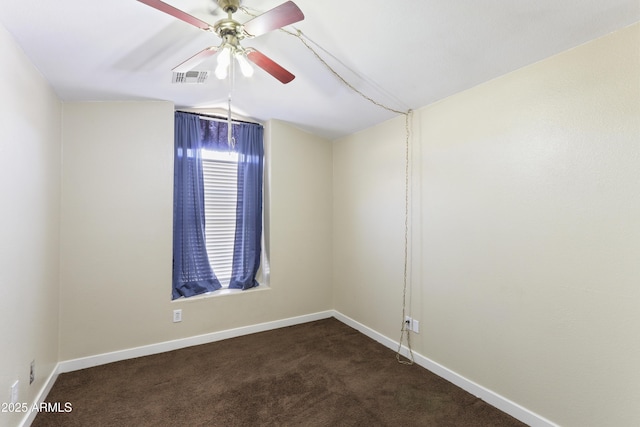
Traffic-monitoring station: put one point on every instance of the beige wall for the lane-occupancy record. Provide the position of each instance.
(368, 233)
(117, 222)
(525, 242)
(30, 144)
(300, 171)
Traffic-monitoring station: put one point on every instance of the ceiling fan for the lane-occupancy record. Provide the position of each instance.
(231, 32)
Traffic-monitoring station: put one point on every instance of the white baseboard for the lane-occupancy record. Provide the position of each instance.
(494, 399)
(40, 397)
(505, 405)
(147, 350)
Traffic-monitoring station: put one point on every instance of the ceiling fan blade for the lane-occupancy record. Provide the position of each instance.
(190, 63)
(278, 17)
(177, 13)
(270, 66)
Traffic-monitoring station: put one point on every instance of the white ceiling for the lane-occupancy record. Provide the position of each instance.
(402, 53)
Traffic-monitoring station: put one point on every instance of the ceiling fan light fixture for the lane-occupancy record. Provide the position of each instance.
(245, 67)
(224, 59)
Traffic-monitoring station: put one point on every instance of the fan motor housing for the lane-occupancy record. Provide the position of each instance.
(229, 5)
(228, 28)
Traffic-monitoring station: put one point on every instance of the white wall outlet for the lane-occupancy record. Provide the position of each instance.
(177, 315)
(411, 324)
(415, 326)
(407, 323)
(14, 392)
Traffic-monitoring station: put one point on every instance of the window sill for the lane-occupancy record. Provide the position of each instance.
(222, 293)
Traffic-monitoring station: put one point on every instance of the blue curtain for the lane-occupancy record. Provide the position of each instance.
(192, 273)
(247, 245)
(215, 136)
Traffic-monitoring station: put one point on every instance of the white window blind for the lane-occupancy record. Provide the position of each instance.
(220, 171)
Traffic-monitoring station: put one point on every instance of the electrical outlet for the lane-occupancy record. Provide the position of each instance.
(32, 372)
(411, 324)
(177, 316)
(407, 323)
(14, 392)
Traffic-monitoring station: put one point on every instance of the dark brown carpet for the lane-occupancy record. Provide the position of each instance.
(321, 373)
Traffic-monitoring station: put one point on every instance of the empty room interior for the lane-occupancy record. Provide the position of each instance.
(474, 166)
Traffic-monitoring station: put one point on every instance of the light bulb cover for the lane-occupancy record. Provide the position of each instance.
(245, 66)
(221, 71)
(224, 59)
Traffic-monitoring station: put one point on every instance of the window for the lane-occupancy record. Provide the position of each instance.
(220, 176)
(217, 224)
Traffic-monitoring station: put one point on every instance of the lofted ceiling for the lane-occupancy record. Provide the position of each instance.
(404, 54)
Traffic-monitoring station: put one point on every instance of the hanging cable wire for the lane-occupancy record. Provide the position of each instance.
(405, 281)
(407, 115)
(303, 39)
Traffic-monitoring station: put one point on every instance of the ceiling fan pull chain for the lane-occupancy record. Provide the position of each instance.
(230, 139)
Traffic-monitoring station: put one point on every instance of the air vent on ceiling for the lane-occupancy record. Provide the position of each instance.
(191, 77)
